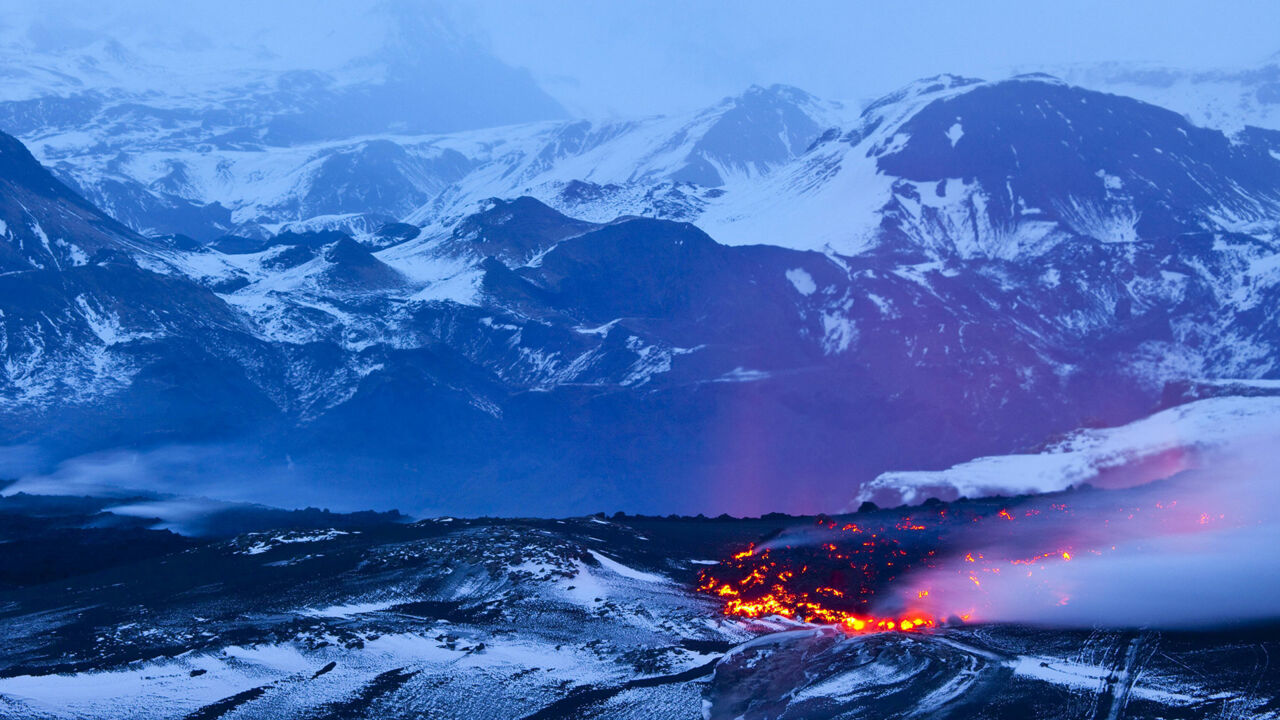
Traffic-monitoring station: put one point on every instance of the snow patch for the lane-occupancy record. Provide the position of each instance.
(743, 375)
(802, 281)
(838, 329)
(350, 609)
(263, 545)
(1148, 449)
(624, 571)
(1111, 182)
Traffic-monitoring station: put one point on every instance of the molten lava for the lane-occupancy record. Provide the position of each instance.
(851, 574)
(831, 582)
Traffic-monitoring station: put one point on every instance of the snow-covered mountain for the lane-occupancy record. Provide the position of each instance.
(83, 322)
(183, 133)
(1230, 100)
(402, 67)
(772, 166)
(201, 183)
(756, 307)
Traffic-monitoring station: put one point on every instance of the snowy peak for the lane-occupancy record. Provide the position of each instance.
(85, 312)
(463, 350)
(978, 264)
(378, 175)
(898, 105)
(952, 167)
(398, 68)
(515, 232)
(946, 166)
(1049, 158)
(636, 267)
(266, 165)
(17, 166)
(44, 224)
(755, 132)
(353, 266)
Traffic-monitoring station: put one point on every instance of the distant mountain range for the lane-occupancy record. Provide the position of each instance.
(237, 159)
(1231, 100)
(761, 306)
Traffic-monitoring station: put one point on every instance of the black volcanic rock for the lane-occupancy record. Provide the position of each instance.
(353, 265)
(238, 245)
(311, 238)
(513, 231)
(350, 253)
(395, 233)
(289, 256)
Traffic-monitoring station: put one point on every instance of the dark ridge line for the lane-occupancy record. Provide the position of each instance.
(226, 705)
(585, 695)
(385, 683)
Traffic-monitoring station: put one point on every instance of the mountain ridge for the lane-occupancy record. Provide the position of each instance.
(641, 361)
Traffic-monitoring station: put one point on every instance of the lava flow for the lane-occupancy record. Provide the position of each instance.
(878, 571)
(830, 582)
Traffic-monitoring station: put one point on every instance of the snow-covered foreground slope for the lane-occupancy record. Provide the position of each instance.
(1198, 434)
(454, 618)
(1040, 674)
(578, 618)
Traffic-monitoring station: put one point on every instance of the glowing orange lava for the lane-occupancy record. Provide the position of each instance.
(831, 574)
(828, 582)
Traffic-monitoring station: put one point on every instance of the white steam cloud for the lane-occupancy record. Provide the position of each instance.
(1198, 549)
